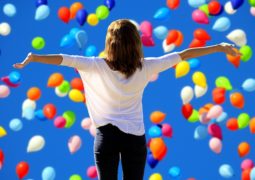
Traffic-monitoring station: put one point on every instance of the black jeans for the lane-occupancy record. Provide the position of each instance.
(111, 145)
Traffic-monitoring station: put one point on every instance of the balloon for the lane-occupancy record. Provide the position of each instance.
(246, 174)
(200, 17)
(38, 43)
(42, 12)
(173, 4)
(74, 144)
(243, 149)
(162, 14)
(246, 52)
(28, 113)
(64, 14)
(1, 158)
(67, 41)
(76, 95)
(221, 24)
(5, 29)
(252, 125)
(2, 132)
(81, 38)
(146, 28)
(81, 16)
(147, 41)
(247, 164)
(155, 132)
(182, 69)
(76, 83)
(157, 117)
(200, 91)
(237, 100)
(215, 145)
(235, 60)
(171, 37)
(48, 173)
(203, 118)
(196, 3)
(252, 174)
(36, 143)
(73, 32)
(59, 122)
(157, 145)
(102, 12)
(229, 8)
(92, 19)
(252, 11)
(187, 110)
(226, 171)
(167, 130)
(194, 63)
(214, 7)
(7, 81)
(109, 3)
(194, 116)
(16, 124)
(91, 50)
(49, 110)
(22, 169)
(151, 161)
(179, 39)
(39, 114)
(236, 3)
(214, 112)
(41, 2)
(4, 91)
(34, 93)
(174, 171)
(92, 172)
(59, 93)
(156, 176)
(205, 108)
(204, 8)
(86, 123)
(197, 43)
(252, 3)
(28, 103)
(200, 132)
(92, 130)
(187, 94)
(75, 7)
(201, 34)
(199, 79)
(55, 80)
(222, 117)
(215, 131)
(14, 77)
(75, 177)
(69, 117)
(219, 95)
(64, 87)
(167, 48)
(237, 36)
(9, 10)
(223, 82)
(243, 120)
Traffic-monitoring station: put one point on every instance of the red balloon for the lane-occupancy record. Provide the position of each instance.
(215, 130)
(201, 35)
(76, 83)
(64, 14)
(214, 7)
(161, 155)
(1, 158)
(173, 4)
(49, 110)
(246, 174)
(22, 169)
(219, 95)
(187, 110)
(147, 41)
(197, 43)
(172, 36)
(232, 124)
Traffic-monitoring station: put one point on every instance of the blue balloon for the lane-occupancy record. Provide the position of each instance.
(196, 3)
(222, 117)
(91, 51)
(39, 115)
(252, 174)
(162, 13)
(42, 12)
(14, 77)
(194, 63)
(15, 124)
(226, 171)
(81, 16)
(28, 113)
(67, 41)
(81, 39)
(160, 32)
(222, 24)
(9, 10)
(155, 132)
(151, 161)
(48, 173)
(236, 3)
(249, 85)
(109, 3)
(200, 132)
(174, 172)
(73, 32)
(41, 2)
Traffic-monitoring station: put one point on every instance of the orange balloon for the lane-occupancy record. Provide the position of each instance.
(197, 43)
(76, 83)
(34, 93)
(252, 125)
(55, 80)
(173, 4)
(235, 60)
(243, 149)
(49, 110)
(157, 117)
(179, 39)
(246, 174)
(232, 124)
(172, 36)
(237, 100)
(219, 95)
(22, 169)
(75, 7)
(64, 14)
(201, 35)
(205, 108)
(160, 154)
(156, 145)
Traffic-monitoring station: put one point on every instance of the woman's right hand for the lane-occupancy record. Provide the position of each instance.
(27, 60)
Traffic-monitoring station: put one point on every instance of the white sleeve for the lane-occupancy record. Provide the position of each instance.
(79, 62)
(162, 63)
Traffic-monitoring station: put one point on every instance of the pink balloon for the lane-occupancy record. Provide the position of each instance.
(60, 122)
(247, 164)
(4, 91)
(203, 118)
(215, 130)
(74, 144)
(215, 145)
(86, 123)
(92, 172)
(252, 11)
(167, 130)
(92, 130)
(147, 40)
(200, 17)
(146, 28)
(214, 112)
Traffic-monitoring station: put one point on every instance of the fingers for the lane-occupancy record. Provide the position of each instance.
(18, 65)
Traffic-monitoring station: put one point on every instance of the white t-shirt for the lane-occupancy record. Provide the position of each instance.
(110, 97)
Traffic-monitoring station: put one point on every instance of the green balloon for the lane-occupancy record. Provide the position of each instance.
(246, 53)
(64, 87)
(194, 117)
(38, 43)
(205, 9)
(69, 117)
(252, 3)
(243, 120)
(75, 177)
(102, 12)
(223, 82)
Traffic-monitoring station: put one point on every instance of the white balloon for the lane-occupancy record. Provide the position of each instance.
(4, 91)
(74, 143)
(238, 37)
(60, 94)
(92, 130)
(200, 91)
(28, 103)
(36, 143)
(229, 8)
(187, 94)
(167, 48)
(5, 29)
(86, 123)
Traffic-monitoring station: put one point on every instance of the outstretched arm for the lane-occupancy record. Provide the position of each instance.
(201, 51)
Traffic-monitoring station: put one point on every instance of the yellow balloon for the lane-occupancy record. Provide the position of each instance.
(102, 54)
(182, 69)
(199, 79)
(2, 131)
(92, 19)
(76, 95)
(156, 176)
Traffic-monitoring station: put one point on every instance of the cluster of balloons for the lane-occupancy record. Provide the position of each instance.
(12, 80)
(42, 10)
(74, 36)
(77, 11)
(146, 36)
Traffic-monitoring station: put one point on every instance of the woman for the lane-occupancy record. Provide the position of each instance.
(114, 89)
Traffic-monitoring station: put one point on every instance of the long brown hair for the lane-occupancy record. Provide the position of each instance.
(123, 47)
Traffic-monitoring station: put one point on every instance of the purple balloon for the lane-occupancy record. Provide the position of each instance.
(41, 2)
(81, 16)
(109, 3)
(151, 161)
